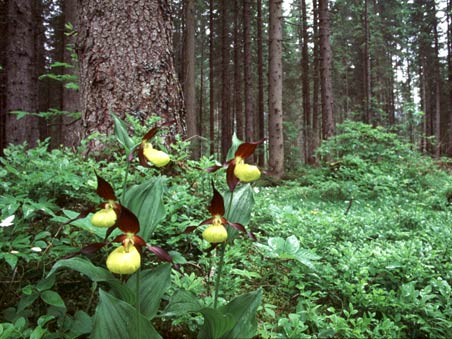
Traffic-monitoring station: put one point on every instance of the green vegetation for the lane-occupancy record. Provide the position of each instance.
(357, 247)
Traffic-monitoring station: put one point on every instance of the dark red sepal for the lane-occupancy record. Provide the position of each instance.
(247, 148)
(82, 215)
(231, 179)
(252, 236)
(92, 248)
(104, 189)
(206, 222)
(217, 203)
(189, 229)
(141, 157)
(127, 221)
(151, 133)
(139, 241)
(237, 226)
(120, 238)
(160, 253)
(213, 168)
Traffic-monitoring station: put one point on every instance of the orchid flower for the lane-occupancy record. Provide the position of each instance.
(147, 153)
(216, 232)
(237, 170)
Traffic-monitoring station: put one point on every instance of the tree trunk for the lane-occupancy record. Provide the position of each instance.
(189, 78)
(211, 81)
(226, 132)
(325, 71)
(22, 82)
(275, 114)
(316, 131)
(449, 73)
(260, 83)
(249, 107)
(126, 63)
(3, 44)
(437, 115)
(238, 104)
(366, 70)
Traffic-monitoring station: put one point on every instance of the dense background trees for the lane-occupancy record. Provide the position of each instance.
(381, 62)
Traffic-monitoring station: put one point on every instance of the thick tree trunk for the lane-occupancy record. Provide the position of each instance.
(325, 71)
(238, 104)
(275, 116)
(260, 82)
(211, 80)
(22, 82)
(249, 107)
(316, 130)
(189, 78)
(368, 118)
(126, 63)
(3, 44)
(226, 130)
(449, 73)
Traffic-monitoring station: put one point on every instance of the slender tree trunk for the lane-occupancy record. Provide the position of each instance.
(211, 80)
(316, 130)
(437, 114)
(249, 107)
(3, 44)
(260, 82)
(275, 116)
(226, 133)
(366, 71)
(449, 73)
(325, 71)
(238, 104)
(189, 78)
(22, 82)
(126, 64)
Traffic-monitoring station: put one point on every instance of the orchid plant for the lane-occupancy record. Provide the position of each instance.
(127, 309)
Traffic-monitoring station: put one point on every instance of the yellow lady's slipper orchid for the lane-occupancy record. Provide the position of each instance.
(124, 261)
(215, 234)
(156, 157)
(106, 217)
(246, 173)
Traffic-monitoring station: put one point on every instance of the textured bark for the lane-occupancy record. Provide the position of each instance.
(449, 73)
(126, 63)
(249, 107)
(189, 77)
(325, 71)
(226, 131)
(260, 83)
(366, 69)
(275, 117)
(437, 79)
(3, 44)
(238, 103)
(72, 128)
(211, 79)
(22, 82)
(316, 131)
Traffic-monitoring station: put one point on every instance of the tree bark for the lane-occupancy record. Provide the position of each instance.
(260, 83)
(325, 71)
(275, 118)
(126, 63)
(316, 131)
(249, 107)
(211, 80)
(238, 103)
(22, 82)
(437, 76)
(189, 78)
(226, 130)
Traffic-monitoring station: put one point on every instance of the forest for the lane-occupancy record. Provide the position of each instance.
(225, 169)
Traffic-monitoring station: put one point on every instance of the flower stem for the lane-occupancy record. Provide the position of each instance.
(124, 184)
(221, 263)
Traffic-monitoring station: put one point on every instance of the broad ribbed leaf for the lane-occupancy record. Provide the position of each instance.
(146, 202)
(95, 273)
(182, 302)
(115, 318)
(122, 134)
(242, 204)
(153, 285)
(52, 298)
(216, 324)
(235, 145)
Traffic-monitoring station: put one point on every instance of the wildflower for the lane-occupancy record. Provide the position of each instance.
(108, 214)
(124, 260)
(147, 153)
(9, 221)
(216, 232)
(237, 170)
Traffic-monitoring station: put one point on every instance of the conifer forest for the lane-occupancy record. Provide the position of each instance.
(225, 169)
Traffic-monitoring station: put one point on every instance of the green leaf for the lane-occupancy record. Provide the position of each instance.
(82, 323)
(20, 114)
(236, 320)
(95, 273)
(182, 302)
(11, 259)
(153, 285)
(52, 298)
(116, 319)
(146, 202)
(240, 207)
(236, 142)
(122, 134)
(46, 283)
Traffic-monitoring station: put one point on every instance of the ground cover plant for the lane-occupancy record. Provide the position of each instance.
(357, 247)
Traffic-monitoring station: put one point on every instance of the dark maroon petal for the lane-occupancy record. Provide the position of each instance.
(247, 148)
(238, 227)
(92, 248)
(104, 189)
(127, 221)
(217, 204)
(189, 229)
(110, 229)
(120, 238)
(160, 253)
(151, 133)
(231, 179)
(141, 157)
(213, 168)
(206, 222)
(252, 236)
(138, 241)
